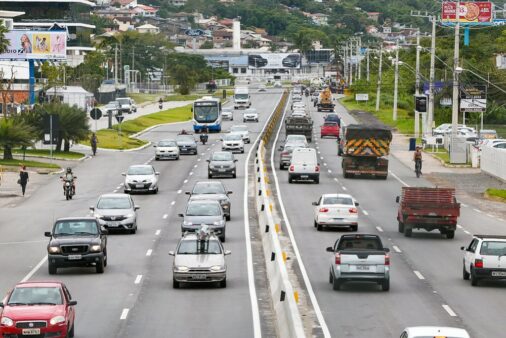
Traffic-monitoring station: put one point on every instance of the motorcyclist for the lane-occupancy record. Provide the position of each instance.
(417, 157)
(183, 132)
(203, 135)
(160, 103)
(93, 142)
(69, 177)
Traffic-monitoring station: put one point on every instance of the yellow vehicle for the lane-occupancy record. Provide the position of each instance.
(325, 101)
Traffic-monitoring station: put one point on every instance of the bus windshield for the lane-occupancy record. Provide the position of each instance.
(205, 112)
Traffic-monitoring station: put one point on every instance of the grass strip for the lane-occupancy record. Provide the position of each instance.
(501, 193)
(28, 164)
(59, 155)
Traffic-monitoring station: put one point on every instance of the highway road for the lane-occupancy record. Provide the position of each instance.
(426, 270)
(134, 297)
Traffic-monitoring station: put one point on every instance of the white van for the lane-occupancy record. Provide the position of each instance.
(241, 98)
(304, 165)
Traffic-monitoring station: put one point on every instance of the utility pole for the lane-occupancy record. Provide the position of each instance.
(351, 62)
(359, 47)
(345, 66)
(417, 85)
(455, 96)
(378, 90)
(367, 55)
(133, 57)
(115, 64)
(396, 80)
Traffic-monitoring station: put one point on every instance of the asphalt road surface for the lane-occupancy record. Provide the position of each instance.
(134, 297)
(426, 270)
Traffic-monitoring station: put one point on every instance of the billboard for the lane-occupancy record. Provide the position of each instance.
(274, 61)
(470, 12)
(473, 98)
(36, 45)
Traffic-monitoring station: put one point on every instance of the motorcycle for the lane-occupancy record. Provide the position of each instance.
(204, 138)
(160, 106)
(68, 188)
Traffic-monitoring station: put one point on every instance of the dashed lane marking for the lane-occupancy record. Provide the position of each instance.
(115, 190)
(198, 160)
(419, 275)
(398, 179)
(191, 173)
(173, 202)
(34, 270)
(335, 179)
(195, 166)
(124, 314)
(379, 229)
(165, 216)
(467, 232)
(449, 310)
(330, 171)
(325, 164)
(138, 279)
(365, 212)
(459, 226)
(157, 233)
(149, 252)
(344, 188)
(477, 210)
(396, 248)
(321, 157)
(491, 216)
(319, 152)
(185, 181)
(179, 191)
(464, 205)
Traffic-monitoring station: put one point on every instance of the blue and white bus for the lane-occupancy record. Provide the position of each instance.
(207, 113)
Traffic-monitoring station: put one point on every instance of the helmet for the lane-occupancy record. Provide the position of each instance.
(69, 170)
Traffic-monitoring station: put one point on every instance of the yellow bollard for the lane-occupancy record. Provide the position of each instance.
(296, 296)
(270, 207)
(277, 227)
(284, 256)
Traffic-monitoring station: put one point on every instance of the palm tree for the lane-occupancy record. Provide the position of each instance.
(14, 133)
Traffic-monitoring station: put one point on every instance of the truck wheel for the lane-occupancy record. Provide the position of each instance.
(223, 283)
(474, 279)
(408, 232)
(52, 269)
(175, 283)
(330, 277)
(317, 180)
(385, 285)
(401, 227)
(290, 180)
(336, 284)
(315, 224)
(99, 268)
(281, 167)
(465, 274)
(354, 228)
(319, 227)
(450, 234)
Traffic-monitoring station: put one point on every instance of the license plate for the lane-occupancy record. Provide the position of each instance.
(113, 224)
(139, 185)
(75, 257)
(31, 331)
(337, 219)
(362, 267)
(199, 277)
(222, 170)
(304, 176)
(498, 273)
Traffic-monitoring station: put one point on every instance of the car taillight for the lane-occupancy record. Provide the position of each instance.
(317, 168)
(324, 210)
(338, 259)
(292, 168)
(284, 153)
(478, 263)
(387, 259)
(353, 211)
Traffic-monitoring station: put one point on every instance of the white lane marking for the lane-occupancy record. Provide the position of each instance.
(396, 248)
(319, 152)
(124, 314)
(500, 219)
(365, 212)
(419, 275)
(191, 173)
(121, 184)
(157, 233)
(173, 202)
(317, 147)
(330, 171)
(138, 279)
(115, 190)
(179, 191)
(325, 164)
(198, 160)
(307, 282)
(149, 252)
(398, 179)
(379, 229)
(335, 179)
(449, 310)
(467, 232)
(195, 166)
(210, 148)
(477, 210)
(165, 216)
(34, 270)
(185, 181)
(459, 226)
(316, 142)
(464, 205)
(491, 216)
(321, 157)
(118, 187)
(344, 188)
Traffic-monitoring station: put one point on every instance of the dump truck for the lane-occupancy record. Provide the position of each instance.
(364, 150)
(324, 102)
(428, 209)
(299, 125)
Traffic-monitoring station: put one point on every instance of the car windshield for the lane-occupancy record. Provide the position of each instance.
(360, 243)
(167, 144)
(203, 209)
(114, 203)
(185, 138)
(491, 248)
(193, 247)
(232, 137)
(208, 188)
(294, 138)
(241, 96)
(337, 200)
(239, 128)
(140, 171)
(222, 156)
(35, 296)
(75, 227)
(250, 111)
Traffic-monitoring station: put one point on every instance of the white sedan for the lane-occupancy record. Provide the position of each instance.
(166, 149)
(227, 114)
(243, 130)
(434, 331)
(250, 114)
(336, 210)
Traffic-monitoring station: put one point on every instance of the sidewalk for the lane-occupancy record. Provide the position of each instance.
(10, 190)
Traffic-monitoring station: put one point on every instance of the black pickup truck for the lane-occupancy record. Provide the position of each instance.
(76, 242)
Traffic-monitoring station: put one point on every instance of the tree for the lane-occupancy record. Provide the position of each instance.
(5, 84)
(4, 42)
(184, 77)
(14, 133)
(207, 45)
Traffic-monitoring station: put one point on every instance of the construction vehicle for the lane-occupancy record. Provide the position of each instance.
(429, 209)
(299, 125)
(324, 102)
(364, 149)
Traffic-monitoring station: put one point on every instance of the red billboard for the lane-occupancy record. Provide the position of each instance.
(475, 12)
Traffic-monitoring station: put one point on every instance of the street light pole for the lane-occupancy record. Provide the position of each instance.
(367, 54)
(378, 90)
(430, 117)
(351, 62)
(396, 80)
(455, 96)
(417, 85)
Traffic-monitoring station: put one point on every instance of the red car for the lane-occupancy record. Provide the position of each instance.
(37, 309)
(329, 129)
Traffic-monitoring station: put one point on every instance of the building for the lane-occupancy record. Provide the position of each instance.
(124, 3)
(145, 11)
(177, 2)
(374, 16)
(148, 28)
(320, 19)
(222, 38)
(113, 12)
(124, 23)
(72, 95)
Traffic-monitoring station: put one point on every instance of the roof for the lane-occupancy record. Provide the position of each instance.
(10, 14)
(39, 283)
(84, 218)
(68, 90)
(147, 26)
(50, 24)
(147, 8)
(115, 195)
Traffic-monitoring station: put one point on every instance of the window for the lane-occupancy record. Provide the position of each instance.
(473, 245)
(243, 70)
(235, 70)
(77, 227)
(490, 248)
(337, 200)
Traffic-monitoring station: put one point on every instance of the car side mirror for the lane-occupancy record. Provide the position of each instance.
(123, 174)
(314, 203)
(73, 302)
(1, 304)
(330, 249)
(47, 234)
(235, 161)
(187, 193)
(172, 253)
(227, 252)
(281, 147)
(208, 161)
(462, 248)
(386, 249)
(180, 215)
(136, 207)
(191, 109)
(154, 145)
(157, 173)
(357, 204)
(92, 208)
(230, 192)
(104, 232)
(397, 199)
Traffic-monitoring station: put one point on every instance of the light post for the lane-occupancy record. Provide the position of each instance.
(396, 80)
(455, 96)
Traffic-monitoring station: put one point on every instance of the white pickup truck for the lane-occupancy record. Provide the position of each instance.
(359, 257)
(484, 258)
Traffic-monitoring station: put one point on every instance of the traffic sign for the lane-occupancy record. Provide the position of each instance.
(119, 118)
(96, 113)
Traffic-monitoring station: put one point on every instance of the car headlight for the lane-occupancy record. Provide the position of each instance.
(97, 215)
(187, 223)
(96, 248)
(181, 268)
(57, 320)
(217, 268)
(53, 249)
(218, 222)
(6, 321)
(130, 215)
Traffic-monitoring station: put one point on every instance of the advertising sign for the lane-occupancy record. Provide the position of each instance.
(470, 12)
(38, 45)
(473, 98)
(194, 32)
(361, 97)
(274, 61)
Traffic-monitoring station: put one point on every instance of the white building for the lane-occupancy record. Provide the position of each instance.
(148, 28)
(72, 95)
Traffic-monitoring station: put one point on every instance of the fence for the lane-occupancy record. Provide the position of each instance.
(493, 162)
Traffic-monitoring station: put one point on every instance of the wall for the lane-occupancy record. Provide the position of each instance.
(493, 162)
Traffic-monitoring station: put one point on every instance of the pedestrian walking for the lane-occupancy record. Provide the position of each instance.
(93, 142)
(23, 179)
